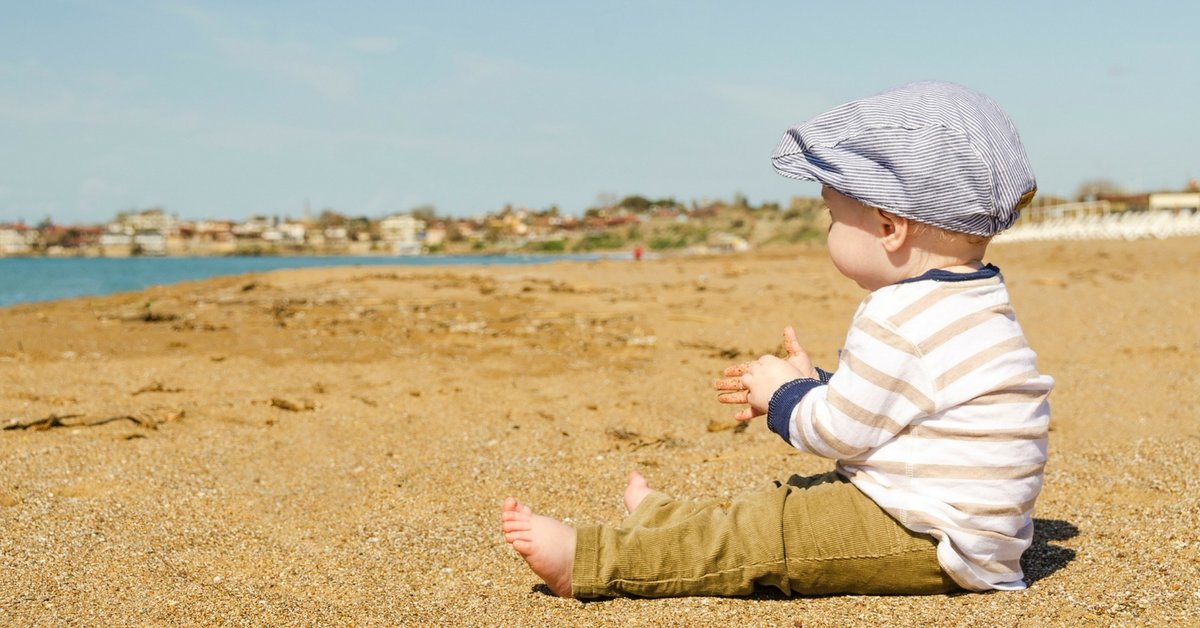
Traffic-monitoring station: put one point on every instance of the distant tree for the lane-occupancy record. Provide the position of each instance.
(454, 232)
(329, 218)
(635, 203)
(606, 200)
(426, 212)
(1093, 189)
(358, 225)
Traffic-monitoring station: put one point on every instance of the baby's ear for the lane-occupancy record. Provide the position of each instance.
(893, 230)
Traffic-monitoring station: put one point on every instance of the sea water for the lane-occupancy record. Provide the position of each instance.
(32, 279)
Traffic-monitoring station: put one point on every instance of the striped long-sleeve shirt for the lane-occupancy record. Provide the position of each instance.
(936, 412)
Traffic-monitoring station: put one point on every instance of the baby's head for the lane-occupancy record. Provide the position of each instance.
(943, 157)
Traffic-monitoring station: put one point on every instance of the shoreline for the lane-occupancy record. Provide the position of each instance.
(60, 284)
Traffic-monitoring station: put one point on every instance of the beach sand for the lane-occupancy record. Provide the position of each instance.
(332, 446)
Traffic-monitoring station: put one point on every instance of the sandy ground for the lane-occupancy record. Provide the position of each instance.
(331, 447)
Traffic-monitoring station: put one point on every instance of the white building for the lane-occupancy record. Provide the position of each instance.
(16, 239)
(403, 233)
(336, 234)
(150, 243)
(1175, 201)
(111, 239)
(252, 228)
(148, 221)
(293, 232)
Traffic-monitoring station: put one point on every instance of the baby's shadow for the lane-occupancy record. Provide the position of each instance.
(1042, 558)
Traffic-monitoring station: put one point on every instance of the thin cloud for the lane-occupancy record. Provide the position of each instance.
(1117, 70)
(295, 62)
(474, 66)
(374, 45)
(96, 192)
(778, 104)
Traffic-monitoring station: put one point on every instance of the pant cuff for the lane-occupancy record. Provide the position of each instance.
(584, 576)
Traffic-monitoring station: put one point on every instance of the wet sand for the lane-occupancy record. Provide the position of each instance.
(332, 446)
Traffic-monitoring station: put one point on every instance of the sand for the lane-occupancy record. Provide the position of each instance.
(332, 446)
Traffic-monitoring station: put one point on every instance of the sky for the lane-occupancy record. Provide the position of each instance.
(228, 109)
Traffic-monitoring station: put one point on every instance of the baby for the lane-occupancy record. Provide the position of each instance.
(936, 415)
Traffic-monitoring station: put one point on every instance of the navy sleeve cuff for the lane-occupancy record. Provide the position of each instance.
(779, 410)
(823, 375)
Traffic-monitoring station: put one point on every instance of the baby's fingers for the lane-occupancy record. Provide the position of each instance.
(737, 371)
(746, 414)
(729, 383)
(790, 344)
(741, 396)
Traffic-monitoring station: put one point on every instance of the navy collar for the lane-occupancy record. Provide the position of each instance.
(937, 274)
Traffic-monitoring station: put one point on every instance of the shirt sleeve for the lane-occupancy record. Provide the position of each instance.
(881, 386)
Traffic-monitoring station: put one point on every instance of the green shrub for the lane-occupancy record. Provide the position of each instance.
(600, 240)
(660, 243)
(547, 246)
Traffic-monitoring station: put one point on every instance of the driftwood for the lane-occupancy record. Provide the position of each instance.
(56, 421)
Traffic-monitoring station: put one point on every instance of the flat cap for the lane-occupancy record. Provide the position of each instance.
(931, 151)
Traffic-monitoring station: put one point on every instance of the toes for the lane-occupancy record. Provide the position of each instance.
(518, 536)
(512, 525)
(511, 505)
(524, 546)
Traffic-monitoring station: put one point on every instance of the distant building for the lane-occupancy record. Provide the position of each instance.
(435, 234)
(213, 230)
(293, 232)
(403, 233)
(150, 243)
(722, 242)
(252, 228)
(109, 240)
(1175, 201)
(336, 234)
(150, 220)
(16, 239)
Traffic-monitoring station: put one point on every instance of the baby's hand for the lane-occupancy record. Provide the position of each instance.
(762, 378)
(735, 388)
(735, 391)
(796, 355)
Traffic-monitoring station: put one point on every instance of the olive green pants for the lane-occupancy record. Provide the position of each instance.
(810, 536)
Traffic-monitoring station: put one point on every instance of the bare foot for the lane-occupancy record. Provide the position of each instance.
(547, 544)
(636, 491)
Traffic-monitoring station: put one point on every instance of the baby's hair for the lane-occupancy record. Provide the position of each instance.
(947, 235)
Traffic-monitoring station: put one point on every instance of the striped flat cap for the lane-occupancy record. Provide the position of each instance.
(933, 152)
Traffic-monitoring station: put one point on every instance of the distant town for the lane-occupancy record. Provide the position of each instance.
(630, 223)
